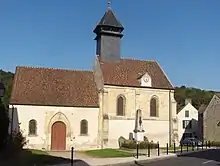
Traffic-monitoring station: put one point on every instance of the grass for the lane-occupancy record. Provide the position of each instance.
(31, 157)
(108, 153)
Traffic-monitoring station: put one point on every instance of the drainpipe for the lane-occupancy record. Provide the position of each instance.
(170, 118)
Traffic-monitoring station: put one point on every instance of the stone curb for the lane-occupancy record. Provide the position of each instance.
(156, 158)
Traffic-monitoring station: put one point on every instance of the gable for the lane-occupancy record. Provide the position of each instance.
(127, 72)
(54, 87)
(212, 114)
(212, 106)
(193, 112)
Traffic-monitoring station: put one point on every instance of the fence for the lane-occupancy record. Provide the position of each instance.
(174, 149)
(177, 149)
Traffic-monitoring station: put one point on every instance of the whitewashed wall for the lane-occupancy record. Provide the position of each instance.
(71, 115)
(193, 114)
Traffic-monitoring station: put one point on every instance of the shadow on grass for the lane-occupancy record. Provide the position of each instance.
(28, 158)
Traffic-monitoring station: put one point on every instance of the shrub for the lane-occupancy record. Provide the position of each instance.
(121, 140)
(130, 144)
(18, 140)
(215, 143)
(4, 122)
(146, 139)
(15, 143)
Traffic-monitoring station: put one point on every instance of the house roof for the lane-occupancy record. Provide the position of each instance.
(217, 94)
(127, 72)
(202, 108)
(179, 109)
(109, 19)
(54, 87)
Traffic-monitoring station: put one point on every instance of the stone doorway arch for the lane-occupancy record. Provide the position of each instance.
(58, 122)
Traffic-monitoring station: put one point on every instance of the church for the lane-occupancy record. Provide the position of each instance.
(57, 109)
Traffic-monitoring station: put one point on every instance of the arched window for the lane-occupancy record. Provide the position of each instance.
(32, 127)
(121, 106)
(154, 107)
(84, 127)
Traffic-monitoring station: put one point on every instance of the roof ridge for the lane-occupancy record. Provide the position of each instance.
(51, 68)
(138, 59)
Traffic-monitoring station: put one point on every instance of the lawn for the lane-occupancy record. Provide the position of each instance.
(31, 157)
(108, 153)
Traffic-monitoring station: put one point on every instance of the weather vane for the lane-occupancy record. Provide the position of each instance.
(109, 3)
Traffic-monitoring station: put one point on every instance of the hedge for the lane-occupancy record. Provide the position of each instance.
(215, 143)
(131, 144)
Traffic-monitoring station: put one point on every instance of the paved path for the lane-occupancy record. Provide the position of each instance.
(81, 159)
(205, 158)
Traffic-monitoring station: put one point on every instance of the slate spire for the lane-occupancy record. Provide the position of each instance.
(109, 20)
(108, 35)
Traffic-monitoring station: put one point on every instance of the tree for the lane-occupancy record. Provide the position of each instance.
(4, 123)
(7, 78)
(198, 96)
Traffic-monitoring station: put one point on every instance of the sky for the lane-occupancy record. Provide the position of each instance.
(183, 36)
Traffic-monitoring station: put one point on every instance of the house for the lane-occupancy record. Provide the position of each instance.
(187, 121)
(58, 108)
(201, 111)
(211, 119)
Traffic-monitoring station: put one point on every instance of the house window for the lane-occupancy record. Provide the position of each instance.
(187, 124)
(121, 106)
(32, 127)
(154, 107)
(84, 127)
(186, 113)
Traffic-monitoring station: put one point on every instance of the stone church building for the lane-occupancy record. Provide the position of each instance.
(57, 108)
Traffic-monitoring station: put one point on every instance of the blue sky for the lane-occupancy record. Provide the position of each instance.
(183, 36)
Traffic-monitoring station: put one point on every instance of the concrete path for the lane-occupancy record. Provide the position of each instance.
(83, 160)
(112, 161)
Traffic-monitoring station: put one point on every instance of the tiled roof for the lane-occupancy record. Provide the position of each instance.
(54, 87)
(126, 72)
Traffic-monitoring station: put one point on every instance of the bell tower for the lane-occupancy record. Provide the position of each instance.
(108, 37)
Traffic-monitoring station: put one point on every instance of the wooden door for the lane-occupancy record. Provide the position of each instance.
(58, 136)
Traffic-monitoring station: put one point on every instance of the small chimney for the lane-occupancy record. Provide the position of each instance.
(188, 100)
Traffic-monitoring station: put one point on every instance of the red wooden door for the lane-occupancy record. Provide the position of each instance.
(58, 136)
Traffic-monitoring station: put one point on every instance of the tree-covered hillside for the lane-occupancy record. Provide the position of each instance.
(7, 78)
(198, 96)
